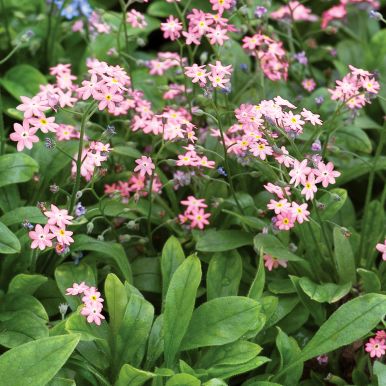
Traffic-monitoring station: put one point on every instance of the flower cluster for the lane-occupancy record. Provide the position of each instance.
(136, 19)
(163, 62)
(92, 157)
(43, 237)
(356, 88)
(92, 301)
(194, 213)
(218, 75)
(192, 158)
(376, 347)
(294, 11)
(270, 53)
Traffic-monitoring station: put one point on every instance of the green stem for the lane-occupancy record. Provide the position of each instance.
(86, 116)
(6, 24)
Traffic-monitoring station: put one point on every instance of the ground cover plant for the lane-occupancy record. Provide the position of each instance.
(192, 192)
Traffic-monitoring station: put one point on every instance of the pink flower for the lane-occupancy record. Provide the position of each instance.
(198, 73)
(33, 106)
(380, 334)
(93, 313)
(93, 296)
(375, 347)
(382, 248)
(279, 206)
(171, 28)
(309, 84)
(285, 220)
(24, 135)
(310, 188)
(198, 218)
(310, 117)
(76, 289)
(59, 217)
(221, 5)
(41, 237)
(325, 174)
(45, 124)
(193, 204)
(62, 235)
(300, 212)
(108, 97)
(271, 262)
(136, 19)
(261, 150)
(217, 35)
(299, 172)
(145, 166)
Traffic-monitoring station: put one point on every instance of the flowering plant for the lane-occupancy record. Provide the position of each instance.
(192, 192)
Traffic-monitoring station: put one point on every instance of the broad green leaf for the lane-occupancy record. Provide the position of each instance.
(221, 321)
(379, 370)
(271, 245)
(112, 251)
(127, 151)
(344, 257)
(179, 305)
(288, 350)
(257, 286)
(147, 274)
(324, 293)
(23, 80)
(348, 323)
(22, 327)
(161, 9)
(183, 380)
(353, 139)
(26, 284)
(77, 324)
(67, 274)
(231, 354)
(9, 243)
(333, 201)
(222, 240)
(16, 168)
(172, 257)
(230, 371)
(224, 275)
(59, 381)
(215, 382)
(31, 213)
(155, 343)
(36, 363)
(129, 375)
(116, 300)
(15, 302)
(369, 280)
(134, 331)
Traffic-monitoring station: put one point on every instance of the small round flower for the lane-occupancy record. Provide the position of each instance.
(41, 237)
(376, 347)
(144, 166)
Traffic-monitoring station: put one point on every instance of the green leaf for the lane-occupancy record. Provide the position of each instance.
(116, 300)
(156, 342)
(235, 353)
(215, 382)
(147, 274)
(221, 321)
(127, 151)
(31, 213)
(134, 331)
(26, 284)
(183, 380)
(77, 324)
(16, 302)
(36, 363)
(333, 201)
(257, 286)
(112, 251)
(179, 305)
(369, 280)
(271, 245)
(172, 257)
(23, 80)
(379, 370)
(224, 275)
(129, 375)
(21, 328)
(288, 350)
(9, 243)
(16, 168)
(344, 257)
(353, 139)
(348, 323)
(67, 274)
(220, 241)
(161, 9)
(324, 293)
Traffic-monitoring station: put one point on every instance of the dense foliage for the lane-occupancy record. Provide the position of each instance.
(192, 192)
